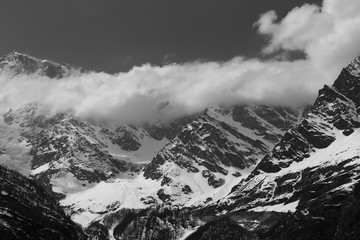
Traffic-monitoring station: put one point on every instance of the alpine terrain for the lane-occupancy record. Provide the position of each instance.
(229, 172)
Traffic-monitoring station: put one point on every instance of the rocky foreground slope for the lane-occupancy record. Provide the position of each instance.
(27, 212)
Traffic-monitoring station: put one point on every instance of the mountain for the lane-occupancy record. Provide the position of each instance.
(198, 158)
(67, 153)
(204, 160)
(18, 63)
(28, 213)
(244, 171)
(310, 180)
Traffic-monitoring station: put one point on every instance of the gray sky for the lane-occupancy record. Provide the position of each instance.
(115, 35)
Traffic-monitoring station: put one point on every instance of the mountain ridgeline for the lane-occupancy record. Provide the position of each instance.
(240, 172)
(17, 63)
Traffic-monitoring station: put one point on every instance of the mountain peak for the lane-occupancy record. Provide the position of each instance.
(354, 67)
(19, 63)
(16, 53)
(15, 56)
(348, 82)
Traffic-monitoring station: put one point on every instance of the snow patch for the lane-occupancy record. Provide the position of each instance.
(291, 207)
(40, 169)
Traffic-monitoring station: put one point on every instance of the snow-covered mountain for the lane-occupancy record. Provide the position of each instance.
(211, 150)
(312, 173)
(67, 154)
(201, 164)
(190, 161)
(18, 63)
(276, 171)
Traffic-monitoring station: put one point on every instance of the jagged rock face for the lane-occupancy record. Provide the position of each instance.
(126, 139)
(18, 63)
(157, 223)
(210, 154)
(331, 112)
(70, 154)
(331, 216)
(218, 140)
(281, 118)
(313, 170)
(28, 213)
(224, 229)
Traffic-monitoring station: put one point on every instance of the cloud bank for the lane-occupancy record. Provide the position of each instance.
(329, 35)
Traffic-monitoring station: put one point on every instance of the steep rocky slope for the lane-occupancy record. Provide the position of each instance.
(27, 212)
(330, 216)
(217, 147)
(222, 229)
(141, 224)
(67, 153)
(208, 156)
(311, 175)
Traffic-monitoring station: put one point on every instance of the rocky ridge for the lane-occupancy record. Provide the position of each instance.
(310, 180)
(17, 63)
(28, 213)
(200, 164)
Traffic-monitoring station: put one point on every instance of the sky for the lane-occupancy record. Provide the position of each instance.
(174, 58)
(115, 35)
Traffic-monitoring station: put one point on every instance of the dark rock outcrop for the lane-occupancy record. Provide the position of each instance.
(27, 212)
(222, 229)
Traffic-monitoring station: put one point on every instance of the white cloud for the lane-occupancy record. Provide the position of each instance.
(329, 35)
(297, 30)
(342, 9)
(150, 93)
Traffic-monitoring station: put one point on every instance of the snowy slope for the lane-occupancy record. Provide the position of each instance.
(209, 155)
(342, 155)
(69, 154)
(317, 159)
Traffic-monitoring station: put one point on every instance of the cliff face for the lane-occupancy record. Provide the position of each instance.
(208, 155)
(310, 179)
(27, 212)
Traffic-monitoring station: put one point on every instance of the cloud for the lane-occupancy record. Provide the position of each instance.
(342, 9)
(150, 93)
(329, 35)
(297, 30)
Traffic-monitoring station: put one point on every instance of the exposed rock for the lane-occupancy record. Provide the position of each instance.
(222, 229)
(18, 63)
(28, 213)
